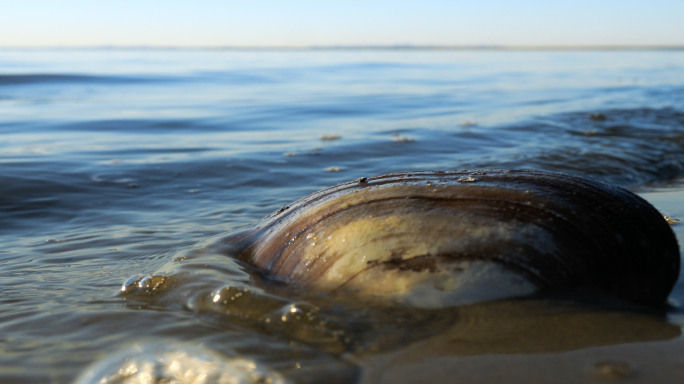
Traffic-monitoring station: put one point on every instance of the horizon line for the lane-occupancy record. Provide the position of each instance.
(417, 47)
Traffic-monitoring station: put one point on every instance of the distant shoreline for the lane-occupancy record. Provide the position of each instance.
(370, 48)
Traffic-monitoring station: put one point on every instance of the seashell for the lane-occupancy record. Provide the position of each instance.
(434, 239)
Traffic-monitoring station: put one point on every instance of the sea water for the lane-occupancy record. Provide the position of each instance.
(116, 165)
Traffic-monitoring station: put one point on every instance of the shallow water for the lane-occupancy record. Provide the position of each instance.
(116, 164)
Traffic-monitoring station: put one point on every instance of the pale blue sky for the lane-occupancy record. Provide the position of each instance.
(348, 22)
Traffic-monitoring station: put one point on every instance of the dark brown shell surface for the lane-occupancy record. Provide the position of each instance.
(554, 230)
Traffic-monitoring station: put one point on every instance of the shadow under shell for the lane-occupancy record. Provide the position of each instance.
(434, 239)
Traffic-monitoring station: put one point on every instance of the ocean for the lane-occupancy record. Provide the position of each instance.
(116, 164)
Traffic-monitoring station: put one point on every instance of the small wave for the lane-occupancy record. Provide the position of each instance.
(622, 146)
(113, 178)
(628, 147)
(48, 78)
(142, 126)
(177, 363)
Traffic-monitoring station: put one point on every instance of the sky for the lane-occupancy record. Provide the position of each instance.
(299, 23)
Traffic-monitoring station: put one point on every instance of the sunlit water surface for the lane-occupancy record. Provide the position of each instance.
(119, 169)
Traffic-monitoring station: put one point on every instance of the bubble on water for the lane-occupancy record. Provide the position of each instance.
(157, 363)
(151, 283)
(244, 301)
(131, 283)
(301, 312)
(144, 284)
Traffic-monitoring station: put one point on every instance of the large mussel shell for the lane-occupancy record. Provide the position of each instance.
(500, 232)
